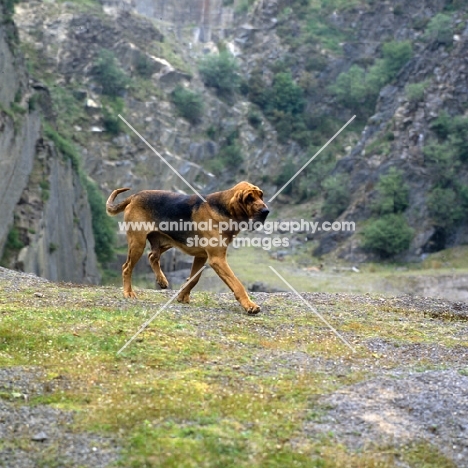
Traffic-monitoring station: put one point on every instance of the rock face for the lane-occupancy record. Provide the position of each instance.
(61, 242)
(203, 15)
(66, 39)
(443, 69)
(18, 134)
(42, 200)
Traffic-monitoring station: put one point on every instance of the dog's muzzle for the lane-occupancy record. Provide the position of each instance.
(262, 215)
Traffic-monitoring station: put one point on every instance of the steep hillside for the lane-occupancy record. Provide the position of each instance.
(46, 222)
(252, 89)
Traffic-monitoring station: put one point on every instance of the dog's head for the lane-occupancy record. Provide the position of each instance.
(247, 203)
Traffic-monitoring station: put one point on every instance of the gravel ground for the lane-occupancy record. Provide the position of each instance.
(430, 406)
(396, 404)
(32, 436)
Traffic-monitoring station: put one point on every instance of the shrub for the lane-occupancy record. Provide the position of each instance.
(63, 145)
(442, 125)
(103, 225)
(336, 196)
(285, 95)
(144, 67)
(220, 72)
(453, 130)
(459, 130)
(395, 55)
(415, 91)
(254, 118)
(189, 104)
(358, 91)
(387, 236)
(393, 193)
(257, 89)
(12, 245)
(350, 87)
(287, 171)
(440, 29)
(9, 8)
(110, 115)
(13, 242)
(109, 75)
(444, 208)
(231, 155)
(243, 6)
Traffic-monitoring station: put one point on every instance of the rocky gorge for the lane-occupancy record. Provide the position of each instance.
(309, 50)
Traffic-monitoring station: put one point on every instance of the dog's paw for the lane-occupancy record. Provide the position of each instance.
(130, 295)
(183, 298)
(163, 283)
(253, 309)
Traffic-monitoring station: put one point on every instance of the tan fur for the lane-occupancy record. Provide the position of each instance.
(242, 202)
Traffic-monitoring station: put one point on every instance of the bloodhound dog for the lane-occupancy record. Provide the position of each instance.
(168, 219)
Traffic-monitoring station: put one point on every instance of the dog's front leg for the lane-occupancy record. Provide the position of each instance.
(184, 295)
(217, 261)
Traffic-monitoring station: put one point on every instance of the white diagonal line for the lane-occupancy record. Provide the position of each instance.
(160, 157)
(313, 310)
(160, 310)
(312, 158)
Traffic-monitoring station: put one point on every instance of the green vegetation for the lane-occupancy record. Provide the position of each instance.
(283, 104)
(103, 225)
(243, 6)
(390, 233)
(415, 91)
(205, 385)
(337, 196)
(231, 155)
(358, 89)
(444, 207)
(392, 193)
(284, 96)
(68, 105)
(144, 66)
(64, 145)
(8, 9)
(112, 107)
(351, 88)
(189, 103)
(254, 118)
(45, 190)
(288, 169)
(440, 29)
(388, 236)
(109, 75)
(447, 201)
(12, 245)
(220, 72)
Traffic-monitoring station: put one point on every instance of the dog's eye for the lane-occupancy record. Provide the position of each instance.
(249, 198)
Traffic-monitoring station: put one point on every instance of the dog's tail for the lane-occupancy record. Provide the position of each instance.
(112, 209)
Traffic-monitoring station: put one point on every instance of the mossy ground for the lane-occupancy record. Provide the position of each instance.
(205, 384)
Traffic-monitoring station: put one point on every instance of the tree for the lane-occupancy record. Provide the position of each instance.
(220, 72)
(388, 236)
(109, 75)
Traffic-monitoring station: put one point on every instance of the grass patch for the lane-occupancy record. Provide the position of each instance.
(204, 384)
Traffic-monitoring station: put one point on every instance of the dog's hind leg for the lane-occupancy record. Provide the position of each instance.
(184, 295)
(136, 247)
(158, 247)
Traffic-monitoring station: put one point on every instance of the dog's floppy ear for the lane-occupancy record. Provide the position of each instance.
(238, 204)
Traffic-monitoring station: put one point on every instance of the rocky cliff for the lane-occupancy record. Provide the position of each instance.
(293, 57)
(46, 220)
